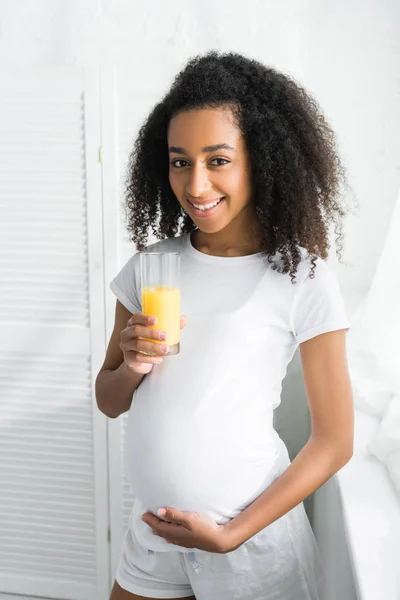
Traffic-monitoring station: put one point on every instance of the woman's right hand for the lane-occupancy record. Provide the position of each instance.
(133, 347)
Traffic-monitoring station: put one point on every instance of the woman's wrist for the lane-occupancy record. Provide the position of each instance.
(114, 390)
(233, 537)
(129, 375)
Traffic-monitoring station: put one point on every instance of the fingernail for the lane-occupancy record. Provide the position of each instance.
(164, 348)
(162, 336)
(153, 320)
(161, 512)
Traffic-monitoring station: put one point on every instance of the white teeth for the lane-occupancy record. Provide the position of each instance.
(206, 206)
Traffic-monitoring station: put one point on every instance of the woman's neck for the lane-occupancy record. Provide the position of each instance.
(230, 241)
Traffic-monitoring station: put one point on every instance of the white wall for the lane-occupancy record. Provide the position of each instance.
(346, 53)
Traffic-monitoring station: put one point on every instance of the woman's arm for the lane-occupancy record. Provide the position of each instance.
(329, 448)
(115, 382)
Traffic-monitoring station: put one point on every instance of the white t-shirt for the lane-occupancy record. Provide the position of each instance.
(200, 433)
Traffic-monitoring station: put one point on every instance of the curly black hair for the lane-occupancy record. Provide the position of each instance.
(295, 166)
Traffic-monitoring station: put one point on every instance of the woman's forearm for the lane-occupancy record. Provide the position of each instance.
(317, 462)
(114, 390)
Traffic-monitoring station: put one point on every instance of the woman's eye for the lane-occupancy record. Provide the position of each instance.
(174, 163)
(223, 159)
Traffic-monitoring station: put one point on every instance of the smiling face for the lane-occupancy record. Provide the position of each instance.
(209, 161)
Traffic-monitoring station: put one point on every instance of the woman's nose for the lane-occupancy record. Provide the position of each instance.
(198, 182)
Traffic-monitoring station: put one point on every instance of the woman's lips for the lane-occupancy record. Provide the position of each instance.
(206, 213)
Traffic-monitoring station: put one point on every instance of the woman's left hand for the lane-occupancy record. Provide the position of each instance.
(189, 529)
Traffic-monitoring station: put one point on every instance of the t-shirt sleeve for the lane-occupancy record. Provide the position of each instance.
(126, 285)
(318, 305)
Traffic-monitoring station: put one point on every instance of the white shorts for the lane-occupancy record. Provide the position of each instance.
(281, 562)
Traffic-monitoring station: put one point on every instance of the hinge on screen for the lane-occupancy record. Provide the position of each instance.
(108, 535)
(100, 154)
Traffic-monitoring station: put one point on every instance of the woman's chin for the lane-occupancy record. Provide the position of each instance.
(204, 229)
(210, 225)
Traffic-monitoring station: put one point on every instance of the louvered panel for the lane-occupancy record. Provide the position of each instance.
(43, 208)
(53, 494)
(60, 265)
(53, 535)
(36, 572)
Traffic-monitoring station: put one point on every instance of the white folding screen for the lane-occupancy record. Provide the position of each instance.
(65, 139)
(53, 440)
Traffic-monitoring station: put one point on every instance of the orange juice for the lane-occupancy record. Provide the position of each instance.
(163, 302)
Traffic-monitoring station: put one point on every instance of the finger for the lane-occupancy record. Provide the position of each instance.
(159, 525)
(142, 319)
(171, 531)
(133, 358)
(148, 347)
(184, 321)
(150, 519)
(178, 517)
(136, 330)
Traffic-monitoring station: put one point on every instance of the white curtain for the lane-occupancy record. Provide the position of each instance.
(374, 355)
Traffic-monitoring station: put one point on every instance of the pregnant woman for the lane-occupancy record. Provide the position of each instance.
(236, 169)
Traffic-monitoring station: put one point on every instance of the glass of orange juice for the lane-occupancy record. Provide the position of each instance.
(161, 295)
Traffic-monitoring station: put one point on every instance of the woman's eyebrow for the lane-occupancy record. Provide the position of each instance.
(179, 150)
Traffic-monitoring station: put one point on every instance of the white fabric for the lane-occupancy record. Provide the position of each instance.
(368, 507)
(374, 356)
(386, 444)
(280, 562)
(200, 433)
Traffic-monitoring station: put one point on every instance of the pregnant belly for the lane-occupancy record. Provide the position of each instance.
(210, 467)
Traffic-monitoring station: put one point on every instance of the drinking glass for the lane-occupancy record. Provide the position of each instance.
(160, 291)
